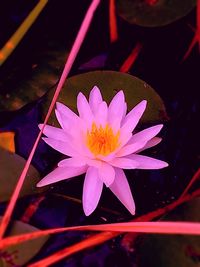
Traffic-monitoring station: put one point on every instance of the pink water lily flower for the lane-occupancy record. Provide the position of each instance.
(100, 142)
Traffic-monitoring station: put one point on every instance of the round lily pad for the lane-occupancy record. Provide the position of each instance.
(153, 13)
(110, 82)
(11, 166)
(19, 254)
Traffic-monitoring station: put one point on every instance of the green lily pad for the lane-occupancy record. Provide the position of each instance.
(11, 166)
(15, 92)
(153, 13)
(172, 250)
(20, 254)
(110, 82)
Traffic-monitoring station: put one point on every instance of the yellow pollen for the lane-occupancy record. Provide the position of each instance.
(102, 141)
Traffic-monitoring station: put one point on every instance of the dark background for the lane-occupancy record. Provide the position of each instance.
(159, 64)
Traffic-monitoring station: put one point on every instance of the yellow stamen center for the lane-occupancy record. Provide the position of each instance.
(102, 141)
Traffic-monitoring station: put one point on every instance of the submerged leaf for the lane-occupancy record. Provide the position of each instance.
(18, 255)
(173, 250)
(36, 81)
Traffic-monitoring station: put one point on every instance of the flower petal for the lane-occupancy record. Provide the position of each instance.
(124, 138)
(152, 142)
(131, 120)
(102, 114)
(59, 119)
(121, 189)
(129, 149)
(63, 121)
(95, 99)
(92, 190)
(124, 163)
(145, 162)
(66, 117)
(63, 147)
(93, 162)
(138, 140)
(146, 134)
(136, 113)
(61, 108)
(125, 110)
(106, 173)
(116, 110)
(84, 109)
(73, 125)
(54, 132)
(72, 162)
(61, 173)
(107, 158)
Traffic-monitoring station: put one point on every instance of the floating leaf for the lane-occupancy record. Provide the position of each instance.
(109, 83)
(18, 255)
(152, 13)
(7, 141)
(174, 250)
(11, 166)
(35, 83)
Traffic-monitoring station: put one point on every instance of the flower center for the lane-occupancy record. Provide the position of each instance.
(102, 141)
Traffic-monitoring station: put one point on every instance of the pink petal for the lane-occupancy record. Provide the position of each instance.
(125, 110)
(124, 137)
(61, 108)
(136, 113)
(102, 114)
(63, 147)
(121, 189)
(138, 140)
(93, 163)
(84, 109)
(66, 117)
(61, 173)
(59, 118)
(95, 99)
(153, 142)
(72, 162)
(124, 163)
(54, 132)
(145, 162)
(106, 173)
(146, 134)
(92, 190)
(131, 120)
(107, 158)
(129, 149)
(66, 122)
(82, 149)
(116, 110)
(73, 126)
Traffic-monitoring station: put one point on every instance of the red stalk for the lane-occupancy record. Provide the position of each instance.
(113, 21)
(128, 63)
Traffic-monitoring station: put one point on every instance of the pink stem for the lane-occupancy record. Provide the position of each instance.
(72, 56)
(188, 228)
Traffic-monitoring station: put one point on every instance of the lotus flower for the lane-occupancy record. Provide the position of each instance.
(100, 142)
